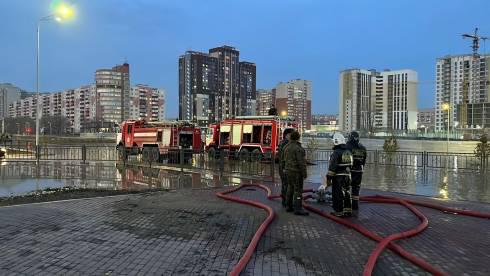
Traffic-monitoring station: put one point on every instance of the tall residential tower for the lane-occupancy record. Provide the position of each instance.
(377, 101)
(463, 85)
(215, 85)
(112, 93)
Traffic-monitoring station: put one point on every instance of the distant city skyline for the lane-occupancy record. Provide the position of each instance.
(150, 35)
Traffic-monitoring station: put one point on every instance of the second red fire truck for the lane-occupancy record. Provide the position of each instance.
(247, 137)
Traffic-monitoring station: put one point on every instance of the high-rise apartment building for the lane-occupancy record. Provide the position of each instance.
(265, 98)
(79, 106)
(8, 94)
(228, 88)
(112, 94)
(378, 101)
(247, 88)
(461, 82)
(198, 80)
(293, 99)
(215, 86)
(147, 103)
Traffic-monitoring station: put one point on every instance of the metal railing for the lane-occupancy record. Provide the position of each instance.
(413, 159)
(27, 152)
(232, 162)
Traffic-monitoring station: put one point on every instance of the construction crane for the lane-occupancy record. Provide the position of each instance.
(476, 40)
(475, 46)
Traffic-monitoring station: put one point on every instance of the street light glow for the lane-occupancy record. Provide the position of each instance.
(445, 106)
(284, 113)
(63, 11)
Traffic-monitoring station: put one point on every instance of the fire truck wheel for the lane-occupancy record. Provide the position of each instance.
(257, 155)
(244, 155)
(146, 154)
(154, 154)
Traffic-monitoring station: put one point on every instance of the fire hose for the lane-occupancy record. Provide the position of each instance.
(383, 243)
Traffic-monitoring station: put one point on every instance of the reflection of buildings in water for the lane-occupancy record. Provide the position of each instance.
(95, 171)
(154, 178)
(147, 178)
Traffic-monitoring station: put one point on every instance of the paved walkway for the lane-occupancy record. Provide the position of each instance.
(192, 232)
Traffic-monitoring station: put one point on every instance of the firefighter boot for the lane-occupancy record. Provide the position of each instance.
(337, 214)
(355, 203)
(298, 207)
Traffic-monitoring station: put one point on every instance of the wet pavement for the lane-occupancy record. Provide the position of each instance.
(191, 231)
(17, 178)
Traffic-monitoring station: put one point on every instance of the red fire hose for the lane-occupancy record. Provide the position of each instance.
(382, 242)
(435, 206)
(394, 247)
(255, 239)
(368, 268)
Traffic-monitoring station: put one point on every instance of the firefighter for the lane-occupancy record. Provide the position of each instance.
(359, 154)
(339, 175)
(273, 110)
(295, 169)
(280, 153)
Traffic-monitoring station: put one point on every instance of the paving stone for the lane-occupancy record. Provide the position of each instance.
(192, 232)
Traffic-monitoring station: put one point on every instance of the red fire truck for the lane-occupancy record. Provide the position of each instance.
(248, 136)
(157, 141)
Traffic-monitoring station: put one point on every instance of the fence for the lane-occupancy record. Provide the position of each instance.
(243, 163)
(27, 152)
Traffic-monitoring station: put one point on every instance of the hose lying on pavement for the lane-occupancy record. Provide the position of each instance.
(383, 243)
(394, 247)
(437, 207)
(255, 239)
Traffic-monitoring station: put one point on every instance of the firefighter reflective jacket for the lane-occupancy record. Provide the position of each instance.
(359, 155)
(340, 161)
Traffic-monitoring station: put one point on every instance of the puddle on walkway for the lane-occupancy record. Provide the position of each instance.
(18, 178)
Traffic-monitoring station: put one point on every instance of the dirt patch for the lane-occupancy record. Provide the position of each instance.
(54, 194)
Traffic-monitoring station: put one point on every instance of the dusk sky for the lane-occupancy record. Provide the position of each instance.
(287, 39)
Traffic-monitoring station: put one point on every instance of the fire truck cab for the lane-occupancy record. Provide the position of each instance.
(246, 136)
(157, 141)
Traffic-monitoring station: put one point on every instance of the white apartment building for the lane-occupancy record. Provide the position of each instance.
(460, 79)
(293, 98)
(147, 103)
(370, 100)
(80, 105)
(8, 94)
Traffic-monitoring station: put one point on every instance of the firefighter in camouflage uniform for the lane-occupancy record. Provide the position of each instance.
(295, 170)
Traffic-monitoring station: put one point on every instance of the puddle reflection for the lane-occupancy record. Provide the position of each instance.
(19, 178)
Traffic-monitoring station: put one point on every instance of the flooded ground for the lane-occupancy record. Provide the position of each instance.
(434, 182)
(409, 145)
(17, 178)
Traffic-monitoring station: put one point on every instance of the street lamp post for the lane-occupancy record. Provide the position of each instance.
(447, 107)
(63, 11)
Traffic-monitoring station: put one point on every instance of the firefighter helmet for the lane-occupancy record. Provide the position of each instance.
(338, 139)
(354, 136)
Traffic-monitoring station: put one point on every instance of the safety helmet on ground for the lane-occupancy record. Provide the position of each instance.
(338, 139)
(354, 136)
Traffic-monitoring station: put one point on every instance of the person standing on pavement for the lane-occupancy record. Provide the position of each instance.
(295, 169)
(339, 175)
(280, 153)
(359, 155)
